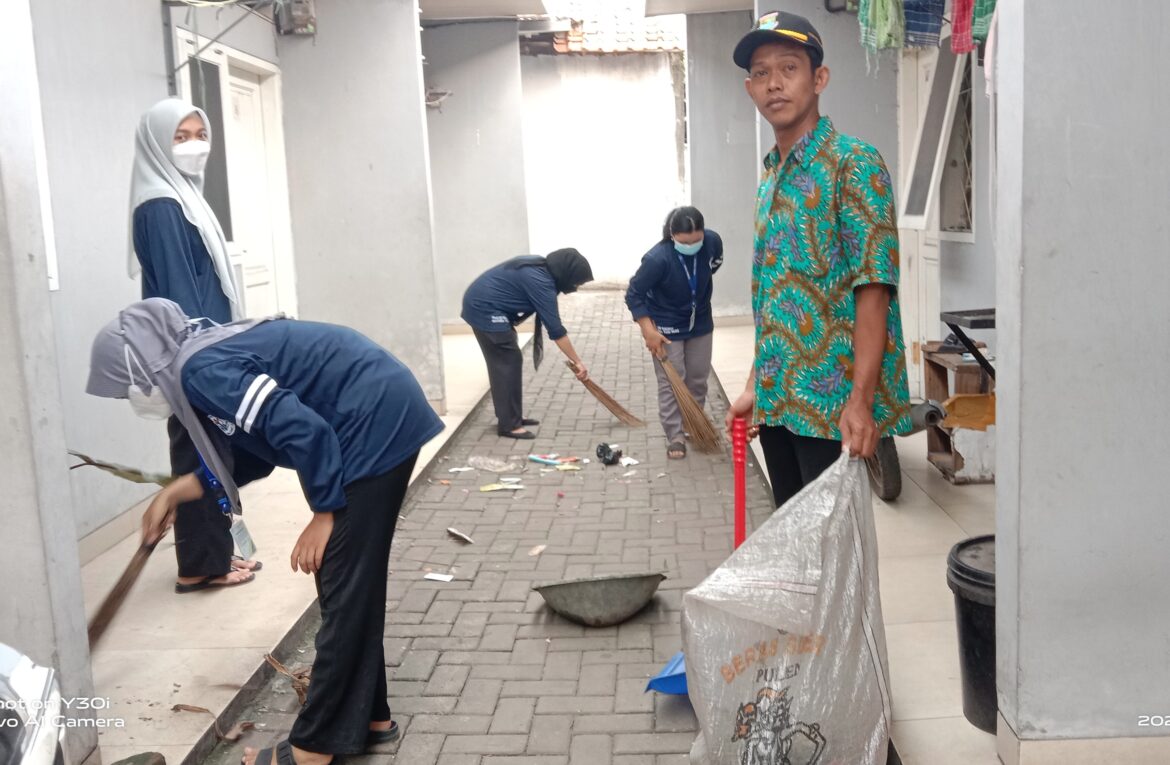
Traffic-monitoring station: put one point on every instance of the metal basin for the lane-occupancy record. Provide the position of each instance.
(601, 601)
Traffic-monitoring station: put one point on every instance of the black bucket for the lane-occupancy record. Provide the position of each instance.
(971, 576)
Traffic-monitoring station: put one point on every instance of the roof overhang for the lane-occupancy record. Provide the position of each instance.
(433, 10)
(663, 7)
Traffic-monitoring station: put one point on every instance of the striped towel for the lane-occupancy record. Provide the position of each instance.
(961, 18)
(923, 22)
(981, 22)
(882, 24)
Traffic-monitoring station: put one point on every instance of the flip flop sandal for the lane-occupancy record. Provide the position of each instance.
(375, 737)
(240, 559)
(676, 450)
(284, 755)
(207, 583)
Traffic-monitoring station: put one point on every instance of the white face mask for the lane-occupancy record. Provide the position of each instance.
(150, 406)
(191, 156)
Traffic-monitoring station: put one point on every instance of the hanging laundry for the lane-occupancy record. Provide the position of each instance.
(981, 19)
(882, 24)
(923, 22)
(961, 19)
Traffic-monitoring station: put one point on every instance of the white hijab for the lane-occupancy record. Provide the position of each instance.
(157, 177)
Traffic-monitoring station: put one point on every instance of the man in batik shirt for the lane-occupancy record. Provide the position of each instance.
(829, 372)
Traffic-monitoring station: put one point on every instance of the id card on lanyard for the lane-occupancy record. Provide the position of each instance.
(693, 280)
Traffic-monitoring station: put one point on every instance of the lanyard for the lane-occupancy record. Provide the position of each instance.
(693, 280)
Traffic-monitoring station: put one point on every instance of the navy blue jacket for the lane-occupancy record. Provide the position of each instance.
(661, 290)
(318, 398)
(502, 297)
(175, 261)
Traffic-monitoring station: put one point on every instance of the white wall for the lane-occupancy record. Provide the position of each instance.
(100, 66)
(601, 156)
(252, 35)
(40, 601)
(1083, 616)
(359, 181)
(722, 143)
(477, 153)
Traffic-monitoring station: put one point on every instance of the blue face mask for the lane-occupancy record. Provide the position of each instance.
(688, 249)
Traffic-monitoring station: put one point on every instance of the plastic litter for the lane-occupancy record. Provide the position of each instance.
(439, 577)
(460, 535)
(672, 678)
(493, 465)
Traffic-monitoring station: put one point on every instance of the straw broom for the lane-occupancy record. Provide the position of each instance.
(608, 401)
(695, 422)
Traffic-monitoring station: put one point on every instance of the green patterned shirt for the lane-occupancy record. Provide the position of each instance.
(825, 225)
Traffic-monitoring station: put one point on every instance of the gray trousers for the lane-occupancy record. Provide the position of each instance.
(691, 358)
(505, 367)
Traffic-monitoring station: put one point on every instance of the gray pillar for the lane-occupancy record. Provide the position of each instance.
(477, 153)
(1083, 506)
(359, 179)
(40, 600)
(721, 137)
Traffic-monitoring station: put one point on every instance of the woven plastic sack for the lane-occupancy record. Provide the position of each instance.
(785, 646)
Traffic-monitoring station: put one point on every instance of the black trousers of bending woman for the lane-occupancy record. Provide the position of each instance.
(203, 536)
(347, 689)
(505, 365)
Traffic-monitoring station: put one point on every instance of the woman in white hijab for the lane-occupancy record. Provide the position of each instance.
(179, 248)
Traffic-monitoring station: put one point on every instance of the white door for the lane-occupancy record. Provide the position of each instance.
(247, 168)
(246, 181)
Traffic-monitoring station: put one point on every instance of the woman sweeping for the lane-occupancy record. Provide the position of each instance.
(326, 402)
(179, 248)
(670, 299)
(504, 296)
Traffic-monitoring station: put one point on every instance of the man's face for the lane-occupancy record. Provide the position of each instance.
(783, 85)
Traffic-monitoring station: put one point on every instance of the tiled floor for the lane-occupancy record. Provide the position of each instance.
(225, 634)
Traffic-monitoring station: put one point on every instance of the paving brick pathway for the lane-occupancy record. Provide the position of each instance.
(481, 672)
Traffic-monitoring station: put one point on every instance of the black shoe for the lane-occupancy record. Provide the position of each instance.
(524, 435)
(527, 422)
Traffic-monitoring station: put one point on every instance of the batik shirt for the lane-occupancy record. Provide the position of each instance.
(825, 225)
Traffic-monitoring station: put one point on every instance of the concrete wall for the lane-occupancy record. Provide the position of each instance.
(967, 270)
(359, 181)
(41, 602)
(477, 153)
(100, 64)
(1084, 321)
(723, 150)
(601, 155)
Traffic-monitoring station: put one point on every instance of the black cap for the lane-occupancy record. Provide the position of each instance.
(779, 26)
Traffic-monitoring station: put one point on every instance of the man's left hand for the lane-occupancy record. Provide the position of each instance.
(309, 551)
(859, 432)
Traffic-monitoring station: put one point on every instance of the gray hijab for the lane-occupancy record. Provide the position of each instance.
(156, 177)
(163, 338)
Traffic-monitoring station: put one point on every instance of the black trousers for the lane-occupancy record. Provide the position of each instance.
(505, 365)
(347, 688)
(203, 538)
(794, 461)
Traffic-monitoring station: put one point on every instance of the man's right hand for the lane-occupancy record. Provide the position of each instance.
(742, 407)
(656, 342)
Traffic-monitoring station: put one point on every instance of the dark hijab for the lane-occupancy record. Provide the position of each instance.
(569, 269)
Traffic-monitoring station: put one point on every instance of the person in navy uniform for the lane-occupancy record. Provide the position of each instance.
(670, 299)
(327, 402)
(178, 246)
(502, 297)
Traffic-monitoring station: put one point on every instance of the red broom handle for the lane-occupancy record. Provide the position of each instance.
(739, 457)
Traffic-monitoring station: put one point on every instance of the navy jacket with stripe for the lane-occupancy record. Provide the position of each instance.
(318, 398)
(502, 297)
(661, 290)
